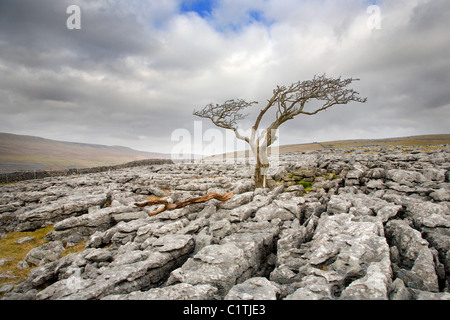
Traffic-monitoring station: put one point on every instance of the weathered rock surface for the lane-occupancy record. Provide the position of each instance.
(374, 224)
(258, 288)
(45, 253)
(337, 261)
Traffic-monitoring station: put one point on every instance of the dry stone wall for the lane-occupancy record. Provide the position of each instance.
(11, 177)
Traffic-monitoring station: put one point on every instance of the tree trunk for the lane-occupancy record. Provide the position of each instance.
(261, 170)
(259, 178)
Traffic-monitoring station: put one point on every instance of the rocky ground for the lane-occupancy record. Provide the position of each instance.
(370, 223)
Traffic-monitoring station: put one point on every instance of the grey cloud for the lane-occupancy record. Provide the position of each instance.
(38, 37)
(430, 16)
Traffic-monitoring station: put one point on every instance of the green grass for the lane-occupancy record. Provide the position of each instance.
(17, 252)
(306, 184)
(332, 176)
(74, 249)
(55, 163)
(40, 160)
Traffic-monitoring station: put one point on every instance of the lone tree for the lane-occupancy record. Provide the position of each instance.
(288, 101)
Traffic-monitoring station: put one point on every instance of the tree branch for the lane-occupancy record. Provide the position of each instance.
(225, 115)
(181, 204)
(329, 90)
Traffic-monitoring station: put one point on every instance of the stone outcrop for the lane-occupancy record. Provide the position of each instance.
(337, 224)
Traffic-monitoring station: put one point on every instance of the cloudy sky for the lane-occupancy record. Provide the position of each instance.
(136, 70)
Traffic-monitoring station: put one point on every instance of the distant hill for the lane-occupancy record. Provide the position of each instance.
(433, 139)
(25, 153)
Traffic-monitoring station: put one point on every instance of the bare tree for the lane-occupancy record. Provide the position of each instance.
(288, 102)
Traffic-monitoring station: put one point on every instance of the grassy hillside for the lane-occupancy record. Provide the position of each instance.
(19, 152)
(404, 141)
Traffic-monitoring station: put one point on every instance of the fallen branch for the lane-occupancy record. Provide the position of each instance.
(181, 204)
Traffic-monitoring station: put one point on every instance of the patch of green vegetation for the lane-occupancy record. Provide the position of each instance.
(31, 159)
(16, 252)
(430, 148)
(74, 249)
(7, 183)
(30, 163)
(332, 176)
(306, 184)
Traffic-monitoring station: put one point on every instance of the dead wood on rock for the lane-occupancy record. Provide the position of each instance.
(181, 204)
